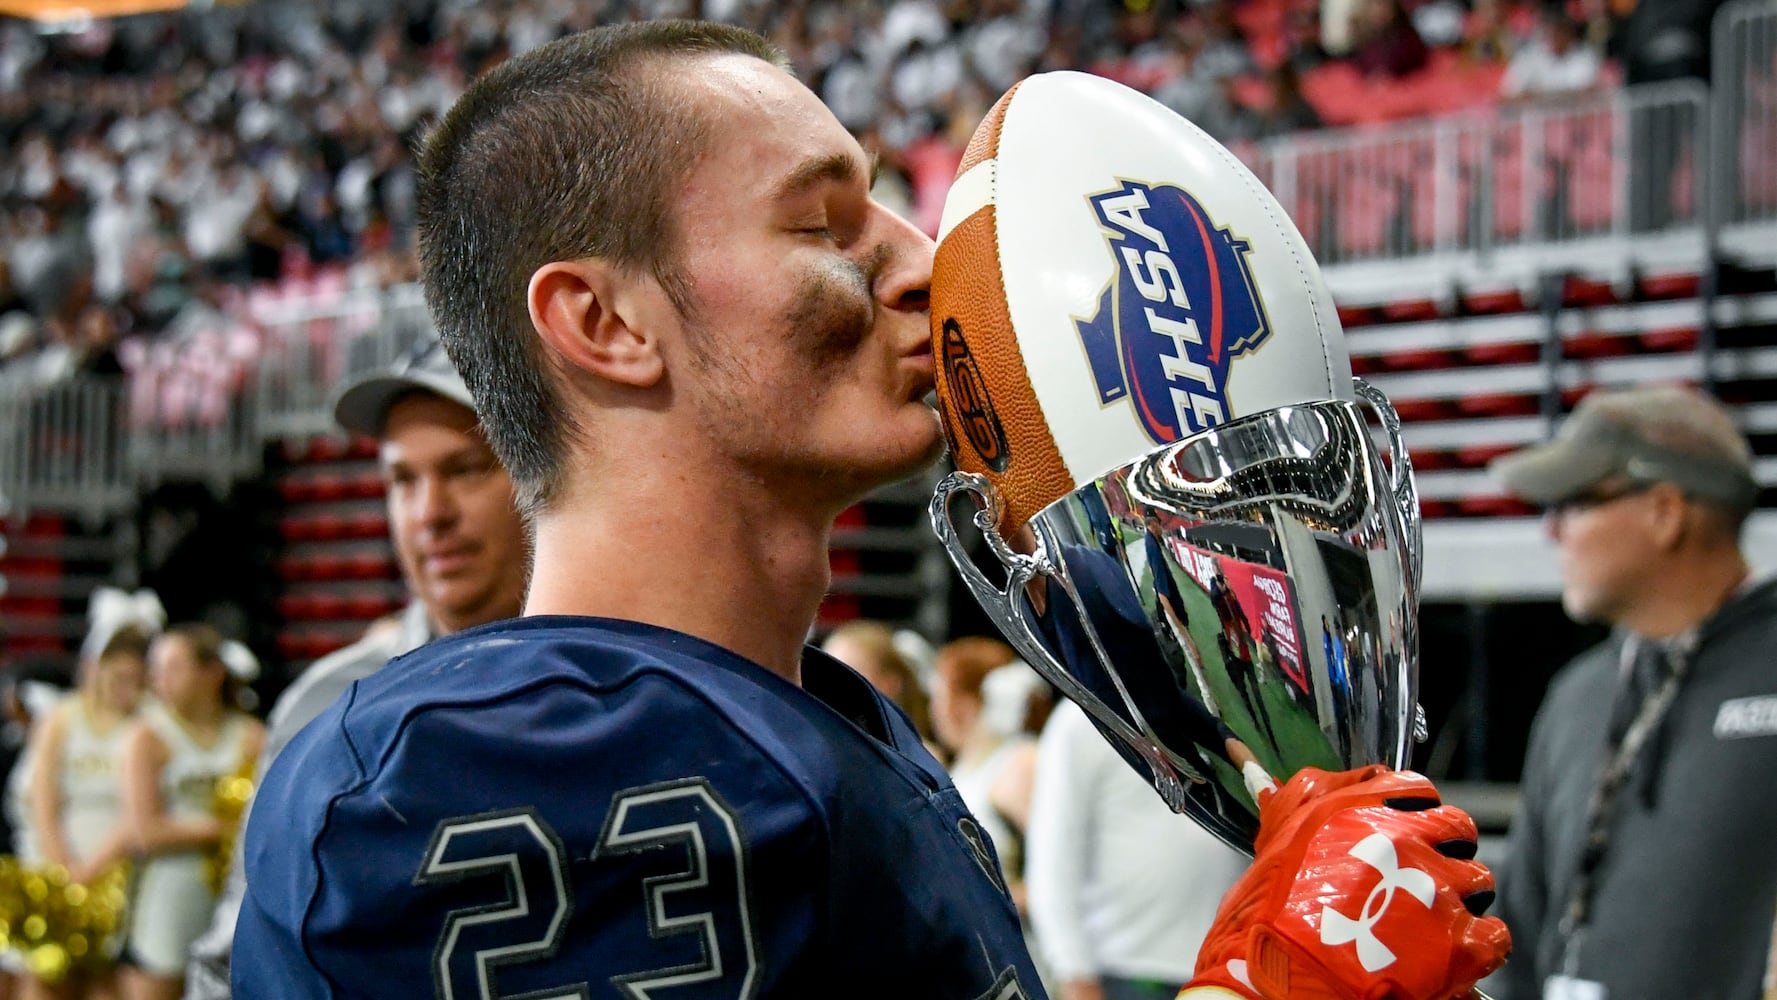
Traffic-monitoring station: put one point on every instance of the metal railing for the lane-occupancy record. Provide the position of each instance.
(1744, 113)
(311, 351)
(62, 446)
(1618, 164)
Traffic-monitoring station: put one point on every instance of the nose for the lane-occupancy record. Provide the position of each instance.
(905, 281)
(434, 502)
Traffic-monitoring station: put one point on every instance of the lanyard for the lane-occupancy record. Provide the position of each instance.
(1601, 810)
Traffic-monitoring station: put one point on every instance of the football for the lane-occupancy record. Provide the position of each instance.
(1109, 279)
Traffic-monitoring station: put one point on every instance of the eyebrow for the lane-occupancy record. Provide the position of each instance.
(830, 168)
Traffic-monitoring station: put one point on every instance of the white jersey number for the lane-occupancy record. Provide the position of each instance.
(525, 927)
(708, 899)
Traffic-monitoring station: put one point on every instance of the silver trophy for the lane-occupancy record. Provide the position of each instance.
(1229, 608)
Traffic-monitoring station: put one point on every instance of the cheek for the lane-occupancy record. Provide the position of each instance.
(831, 316)
(404, 529)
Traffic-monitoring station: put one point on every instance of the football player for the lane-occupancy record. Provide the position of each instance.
(693, 339)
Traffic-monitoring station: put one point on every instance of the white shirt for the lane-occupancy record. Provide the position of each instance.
(1536, 69)
(1119, 884)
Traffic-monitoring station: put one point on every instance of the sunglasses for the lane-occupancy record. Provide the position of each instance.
(1596, 498)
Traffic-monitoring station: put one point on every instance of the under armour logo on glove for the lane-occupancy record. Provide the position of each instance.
(1336, 928)
(1319, 916)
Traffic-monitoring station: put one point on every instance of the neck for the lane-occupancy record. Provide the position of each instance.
(746, 571)
(200, 715)
(1687, 594)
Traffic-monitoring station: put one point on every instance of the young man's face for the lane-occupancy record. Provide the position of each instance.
(460, 542)
(807, 344)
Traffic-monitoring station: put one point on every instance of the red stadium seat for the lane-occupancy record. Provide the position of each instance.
(1499, 404)
(1670, 340)
(1596, 345)
(1668, 286)
(1579, 291)
(1412, 410)
(1432, 459)
(1410, 310)
(1366, 365)
(1417, 360)
(1433, 510)
(1488, 303)
(1515, 353)
(1477, 456)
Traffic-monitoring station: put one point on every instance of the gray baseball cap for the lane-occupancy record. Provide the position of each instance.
(1648, 434)
(364, 405)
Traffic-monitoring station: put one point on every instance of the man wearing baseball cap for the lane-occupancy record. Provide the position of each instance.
(1640, 862)
(462, 549)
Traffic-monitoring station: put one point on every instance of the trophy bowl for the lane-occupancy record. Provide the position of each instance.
(1229, 608)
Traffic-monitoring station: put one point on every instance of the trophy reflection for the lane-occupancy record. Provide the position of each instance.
(1229, 608)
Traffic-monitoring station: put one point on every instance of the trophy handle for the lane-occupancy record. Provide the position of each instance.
(1406, 493)
(1005, 605)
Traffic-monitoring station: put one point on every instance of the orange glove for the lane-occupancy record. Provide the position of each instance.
(1363, 888)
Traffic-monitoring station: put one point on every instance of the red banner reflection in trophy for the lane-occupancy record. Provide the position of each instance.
(1252, 601)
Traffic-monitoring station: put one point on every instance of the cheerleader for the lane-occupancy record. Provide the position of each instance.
(74, 787)
(175, 758)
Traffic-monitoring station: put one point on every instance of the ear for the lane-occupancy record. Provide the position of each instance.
(581, 309)
(1670, 515)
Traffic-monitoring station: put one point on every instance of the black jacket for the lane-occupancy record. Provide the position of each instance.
(1686, 894)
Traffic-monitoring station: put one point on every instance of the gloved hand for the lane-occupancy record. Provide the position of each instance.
(1363, 887)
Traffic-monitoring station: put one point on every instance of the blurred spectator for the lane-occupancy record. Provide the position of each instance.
(1287, 110)
(1666, 40)
(1647, 491)
(1224, 51)
(188, 740)
(1226, 118)
(1122, 889)
(1185, 90)
(869, 648)
(1489, 35)
(76, 782)
(461, 547)
(1440, 22)
(1385, 41)
(982, 727)
(1303, 46)
(1556, 62)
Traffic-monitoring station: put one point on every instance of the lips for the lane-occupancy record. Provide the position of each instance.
(444, 562)
(924, 375)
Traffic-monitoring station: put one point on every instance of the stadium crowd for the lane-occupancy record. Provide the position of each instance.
(156, 165)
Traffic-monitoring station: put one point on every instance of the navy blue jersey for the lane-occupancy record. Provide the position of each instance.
(575, 807)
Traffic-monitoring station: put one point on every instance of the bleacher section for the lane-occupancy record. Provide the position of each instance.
(49, 564)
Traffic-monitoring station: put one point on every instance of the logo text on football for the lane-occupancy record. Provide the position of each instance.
(1182, 307)
(1336, 928)
(969, 402)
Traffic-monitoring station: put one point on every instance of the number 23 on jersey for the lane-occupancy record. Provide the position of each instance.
(706, 901)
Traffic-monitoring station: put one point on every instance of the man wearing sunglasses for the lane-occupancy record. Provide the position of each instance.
(1640, 862)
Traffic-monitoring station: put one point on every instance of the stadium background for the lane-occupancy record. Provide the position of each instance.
(207, 225)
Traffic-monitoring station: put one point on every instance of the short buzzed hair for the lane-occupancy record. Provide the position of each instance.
(567, 152)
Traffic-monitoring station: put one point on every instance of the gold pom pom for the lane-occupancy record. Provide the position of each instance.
(58, 925)
(48, 962)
